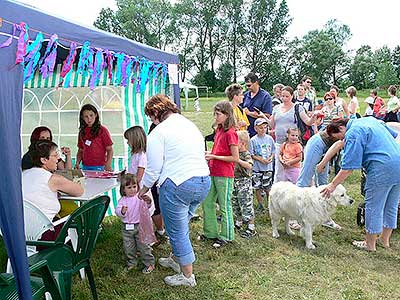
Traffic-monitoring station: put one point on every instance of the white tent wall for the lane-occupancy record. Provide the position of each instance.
(46, 104)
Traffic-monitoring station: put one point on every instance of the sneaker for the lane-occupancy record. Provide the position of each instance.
(169, 262)
(180, 279)
(219, 243)
(332, 225)
(238, 227)
(148, 269)
(202, 237)
(195, 217)
(248, 233)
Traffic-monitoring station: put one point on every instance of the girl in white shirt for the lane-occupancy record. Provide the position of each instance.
(137, 141)
(354, 108)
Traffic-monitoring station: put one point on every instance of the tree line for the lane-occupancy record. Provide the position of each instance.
(221, 40)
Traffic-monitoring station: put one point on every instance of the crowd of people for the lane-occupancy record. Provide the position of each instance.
(258, 140)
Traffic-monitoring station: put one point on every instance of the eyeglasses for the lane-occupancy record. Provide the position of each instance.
(308, 81)
(57, 154)
(327, 99)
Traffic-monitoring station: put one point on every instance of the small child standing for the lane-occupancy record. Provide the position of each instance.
(137, 141)
(129, 210)
(94, 142)
(291, 154)
(262, 150)
(242, 197)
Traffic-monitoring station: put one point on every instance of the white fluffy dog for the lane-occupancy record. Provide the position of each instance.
(306, 205)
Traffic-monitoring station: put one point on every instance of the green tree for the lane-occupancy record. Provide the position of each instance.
(320, 54)
(206, 78)
(224, 76)
(151, 22)
(396, 60)
(266, 24)
(363, 70)
(235, 22)
(107, 21)
(386, 75)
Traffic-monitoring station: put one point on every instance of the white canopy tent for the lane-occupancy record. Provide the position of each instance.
(186, 87)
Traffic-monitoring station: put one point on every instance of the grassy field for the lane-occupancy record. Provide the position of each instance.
(259, 268)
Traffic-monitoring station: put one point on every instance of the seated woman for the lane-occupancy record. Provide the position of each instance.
(40, 185)
(44, 133)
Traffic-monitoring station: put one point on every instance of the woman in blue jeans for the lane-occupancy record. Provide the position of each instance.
(175, 157)
(314, 151)
(370, 144)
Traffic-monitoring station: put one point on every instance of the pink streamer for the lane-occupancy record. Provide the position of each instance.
(50, 60)
(9, 40)
(110, 61)
(69, 61)
(22, 42)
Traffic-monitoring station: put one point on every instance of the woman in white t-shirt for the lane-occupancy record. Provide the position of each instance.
(354, 108)
(282, 118)
(175, 158)
(334, 91)
(40, 185)
(393, 105)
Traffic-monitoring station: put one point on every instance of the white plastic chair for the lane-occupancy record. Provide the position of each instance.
(36, 223)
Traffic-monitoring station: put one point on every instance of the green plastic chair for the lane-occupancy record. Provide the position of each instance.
(62, 259)
(40, 284)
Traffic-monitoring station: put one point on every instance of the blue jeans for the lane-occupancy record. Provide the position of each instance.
(313, 153)
(92, 168)
(178, 204)
(381, 206)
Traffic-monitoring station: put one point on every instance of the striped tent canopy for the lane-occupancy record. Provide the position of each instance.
(46, 104)
(17, 102)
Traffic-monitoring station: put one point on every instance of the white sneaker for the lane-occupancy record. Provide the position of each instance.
(180, 279)
(169, 262)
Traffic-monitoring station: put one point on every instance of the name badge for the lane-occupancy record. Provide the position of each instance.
(129, 226)
(88, 143)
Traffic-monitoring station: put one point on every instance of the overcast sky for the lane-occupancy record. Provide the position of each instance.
(373, 23)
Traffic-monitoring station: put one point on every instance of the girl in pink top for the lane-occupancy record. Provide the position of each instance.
(290, 156)
(136, 222)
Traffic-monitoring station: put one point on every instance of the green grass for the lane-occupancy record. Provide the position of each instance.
(260, 268)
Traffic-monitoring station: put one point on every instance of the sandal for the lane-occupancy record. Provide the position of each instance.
(332, 225)
(380, 244)
(362, 245)
(148, 269)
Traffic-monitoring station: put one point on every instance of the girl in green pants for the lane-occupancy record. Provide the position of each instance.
(221, 162)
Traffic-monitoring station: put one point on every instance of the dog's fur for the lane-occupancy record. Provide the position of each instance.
(306, 205)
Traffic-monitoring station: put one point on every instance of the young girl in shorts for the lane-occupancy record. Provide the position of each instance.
(129, 210)
(290, 156)
(95, 149)
(221, 161)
